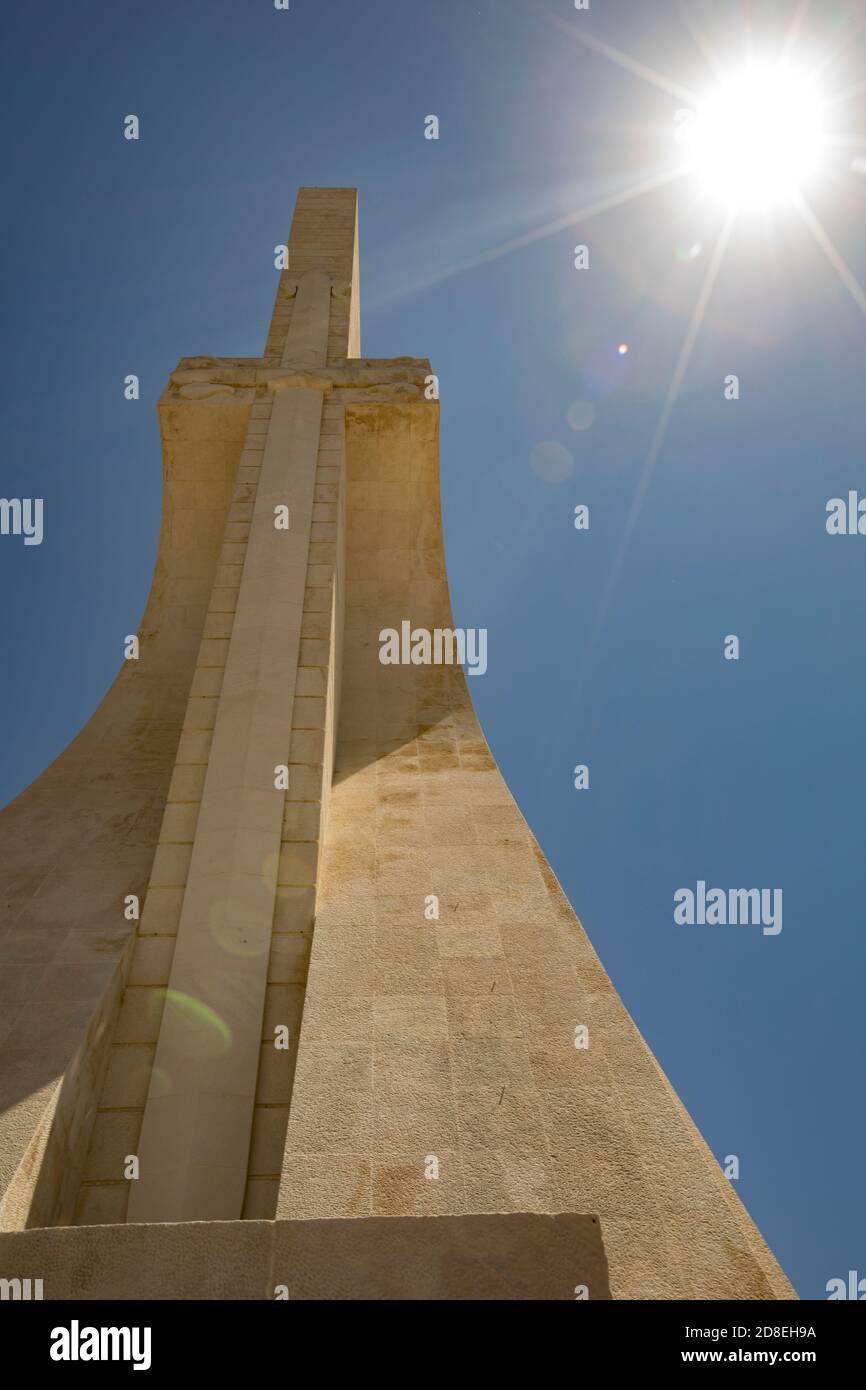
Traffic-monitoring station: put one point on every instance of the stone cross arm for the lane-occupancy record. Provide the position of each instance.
(246, 380)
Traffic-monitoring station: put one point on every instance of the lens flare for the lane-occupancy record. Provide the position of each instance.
(205, 1033)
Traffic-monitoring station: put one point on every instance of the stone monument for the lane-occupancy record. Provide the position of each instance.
(279, 949)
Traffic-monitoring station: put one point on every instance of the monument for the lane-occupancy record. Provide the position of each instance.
(281, 955)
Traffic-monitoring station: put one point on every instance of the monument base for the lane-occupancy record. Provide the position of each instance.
(493, 1257)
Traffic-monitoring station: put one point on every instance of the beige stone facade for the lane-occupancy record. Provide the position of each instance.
(354, 985)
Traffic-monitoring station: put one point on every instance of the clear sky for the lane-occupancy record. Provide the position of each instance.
(605, 646)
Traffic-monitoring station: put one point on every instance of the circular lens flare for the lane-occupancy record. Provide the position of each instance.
(755, 139)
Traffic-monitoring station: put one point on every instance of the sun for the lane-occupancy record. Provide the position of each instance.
(756, 139)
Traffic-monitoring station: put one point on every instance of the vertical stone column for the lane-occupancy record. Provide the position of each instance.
(222, 994)
(304, 819)
(193, 432)
(195, 1133)
(323, 251)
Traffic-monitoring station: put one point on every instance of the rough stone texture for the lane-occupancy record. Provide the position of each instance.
(455, 1038)
(84, 835)
(464, 1257)
(431, 1069)
(202, 1089)
(205, 1107)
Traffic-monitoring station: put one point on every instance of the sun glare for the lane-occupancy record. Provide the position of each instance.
(756, 139)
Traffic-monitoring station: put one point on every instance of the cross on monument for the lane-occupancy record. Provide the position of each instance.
(275, 710)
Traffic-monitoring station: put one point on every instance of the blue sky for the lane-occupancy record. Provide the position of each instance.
(121, 257)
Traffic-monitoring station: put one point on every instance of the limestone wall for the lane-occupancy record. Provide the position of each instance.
(304, 818)
(214, 860)
(454, 1039)
(481, 1257)
(84, 835)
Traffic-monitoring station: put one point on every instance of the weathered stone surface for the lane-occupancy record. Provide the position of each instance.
(451, 1257)
(85, 834)
(430, 1080)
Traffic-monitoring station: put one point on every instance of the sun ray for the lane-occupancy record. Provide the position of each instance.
(616, 55)
(842, 269)
(613, 200)
(847, 94)
(709, 51)
(845, 141)
(840, 179)
(659, 435)
(833, 54)
(794, 29)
